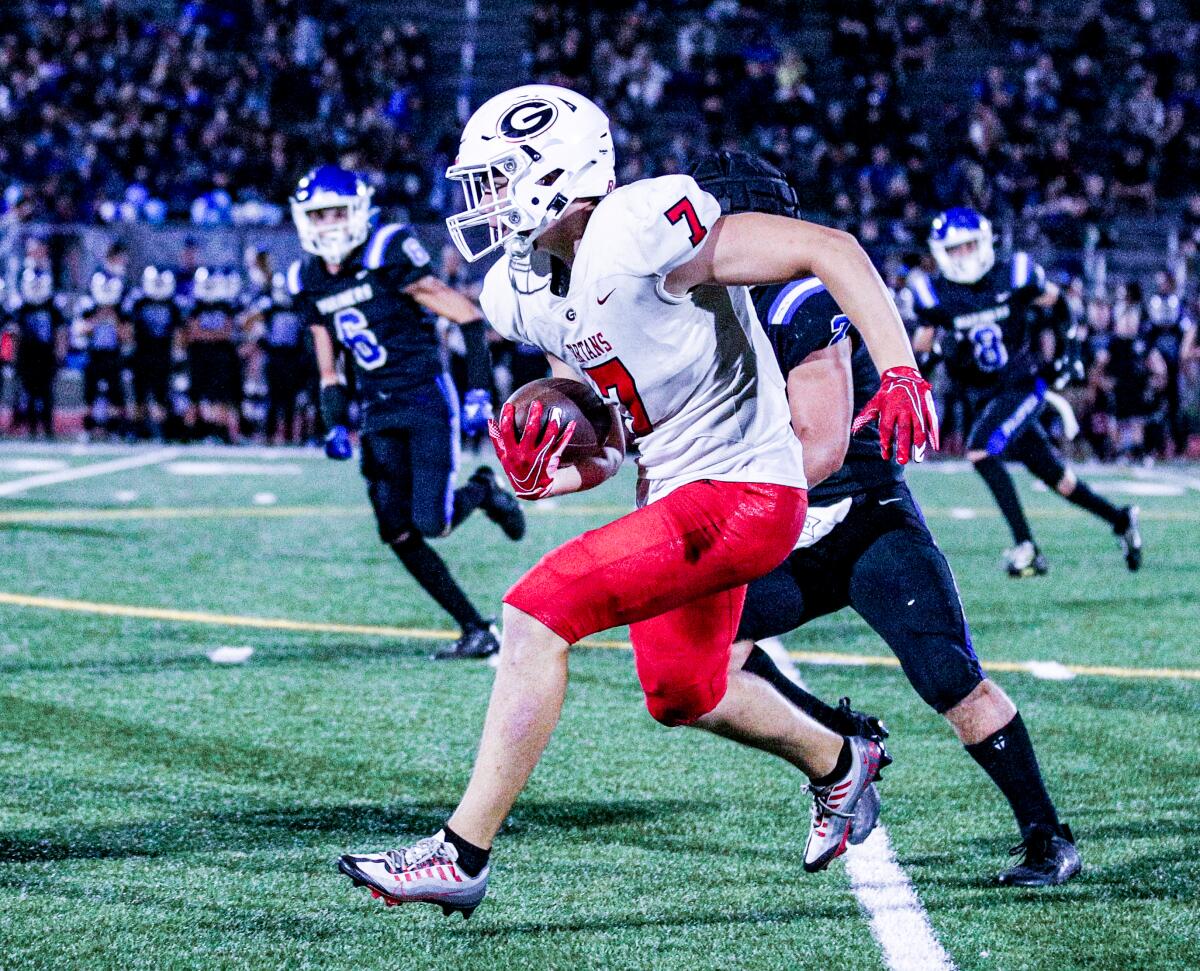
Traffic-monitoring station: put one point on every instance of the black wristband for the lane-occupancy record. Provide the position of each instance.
(335, 405)
(479, 360)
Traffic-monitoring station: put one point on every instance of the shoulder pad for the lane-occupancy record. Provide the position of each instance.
(1026, 272)
(652, 226)
(790, 298)
(924, 295)
(392, 243)
(295, 279)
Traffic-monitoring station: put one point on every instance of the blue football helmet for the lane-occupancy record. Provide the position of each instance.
(331, 187)
(952, 231)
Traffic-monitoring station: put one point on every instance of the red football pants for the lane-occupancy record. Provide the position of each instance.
(676, 572)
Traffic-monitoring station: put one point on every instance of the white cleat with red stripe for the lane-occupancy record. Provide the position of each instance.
(426, 872)
(833, 812)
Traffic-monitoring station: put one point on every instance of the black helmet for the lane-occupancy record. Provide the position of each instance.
(743, 182)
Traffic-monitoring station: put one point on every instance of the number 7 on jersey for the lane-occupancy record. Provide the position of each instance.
(616, 385)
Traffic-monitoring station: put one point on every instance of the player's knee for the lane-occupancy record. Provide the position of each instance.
(739, 654)
(1066, 485)
(527, 639)
(399, 537)
(975, 456)
(431, 527)
(674, 703)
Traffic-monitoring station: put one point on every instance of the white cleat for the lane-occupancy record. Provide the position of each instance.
(426, 872)
(834, 805)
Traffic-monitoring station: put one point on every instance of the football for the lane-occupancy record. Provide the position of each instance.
(568, 401)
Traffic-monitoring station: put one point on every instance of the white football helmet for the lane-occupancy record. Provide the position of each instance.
(951, 231)
(158, 284)
(525, 156)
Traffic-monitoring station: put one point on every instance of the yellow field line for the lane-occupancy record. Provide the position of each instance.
(417, 633)
(80, 515)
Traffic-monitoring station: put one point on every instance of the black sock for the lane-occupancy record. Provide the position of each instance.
(844, 761)
(993, 472)
(1008, 758)
(431, 573)
(467, 499)
(1083, 497)
(471, 858)
(760, 663)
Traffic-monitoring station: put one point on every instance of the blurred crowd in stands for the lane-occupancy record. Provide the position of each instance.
(184, 351)
(112, 116)
(1075, 127)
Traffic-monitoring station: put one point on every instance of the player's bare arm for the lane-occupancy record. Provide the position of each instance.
(326, 357)
(821, 400)
(754, 248)
(436, 295)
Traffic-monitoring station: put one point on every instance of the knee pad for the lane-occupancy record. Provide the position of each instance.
(675, 703)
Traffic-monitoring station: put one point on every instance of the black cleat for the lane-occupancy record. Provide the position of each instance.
(1050, 858)
(476, 642)
(859, 723)
(1131, 538)
(500, 505)
(1025, 560)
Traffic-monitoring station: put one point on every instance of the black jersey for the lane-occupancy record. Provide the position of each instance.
(103, 323)
(801, 317)
(37, 326)
(212, 320)
(392, 339)
(154, 321)
(988, 324)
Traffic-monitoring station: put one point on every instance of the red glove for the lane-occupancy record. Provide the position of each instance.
(531, 462)
(904, 406)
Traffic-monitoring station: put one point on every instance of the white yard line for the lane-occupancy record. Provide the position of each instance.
(1172, 476)
(89, 471)
(898, 921)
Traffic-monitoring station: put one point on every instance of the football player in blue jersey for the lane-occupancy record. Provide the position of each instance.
(979, 308)
(41, 344)
(866, 546)
(157, 320)
(368, 293)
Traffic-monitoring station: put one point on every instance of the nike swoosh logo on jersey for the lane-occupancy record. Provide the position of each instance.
(600, 300)
(360, 274)
(884, 502)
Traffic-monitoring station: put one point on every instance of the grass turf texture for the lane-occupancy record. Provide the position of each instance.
(159, 811)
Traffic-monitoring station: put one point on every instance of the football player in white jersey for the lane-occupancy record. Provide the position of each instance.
(641, 293)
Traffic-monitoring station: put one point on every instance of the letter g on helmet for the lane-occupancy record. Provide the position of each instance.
(525, 156)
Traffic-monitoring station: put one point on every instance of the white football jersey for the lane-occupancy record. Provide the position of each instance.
(694, 376)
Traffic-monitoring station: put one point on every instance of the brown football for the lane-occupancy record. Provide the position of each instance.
(573, 401)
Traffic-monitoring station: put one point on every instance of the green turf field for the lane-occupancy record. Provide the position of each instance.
(161, 811)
